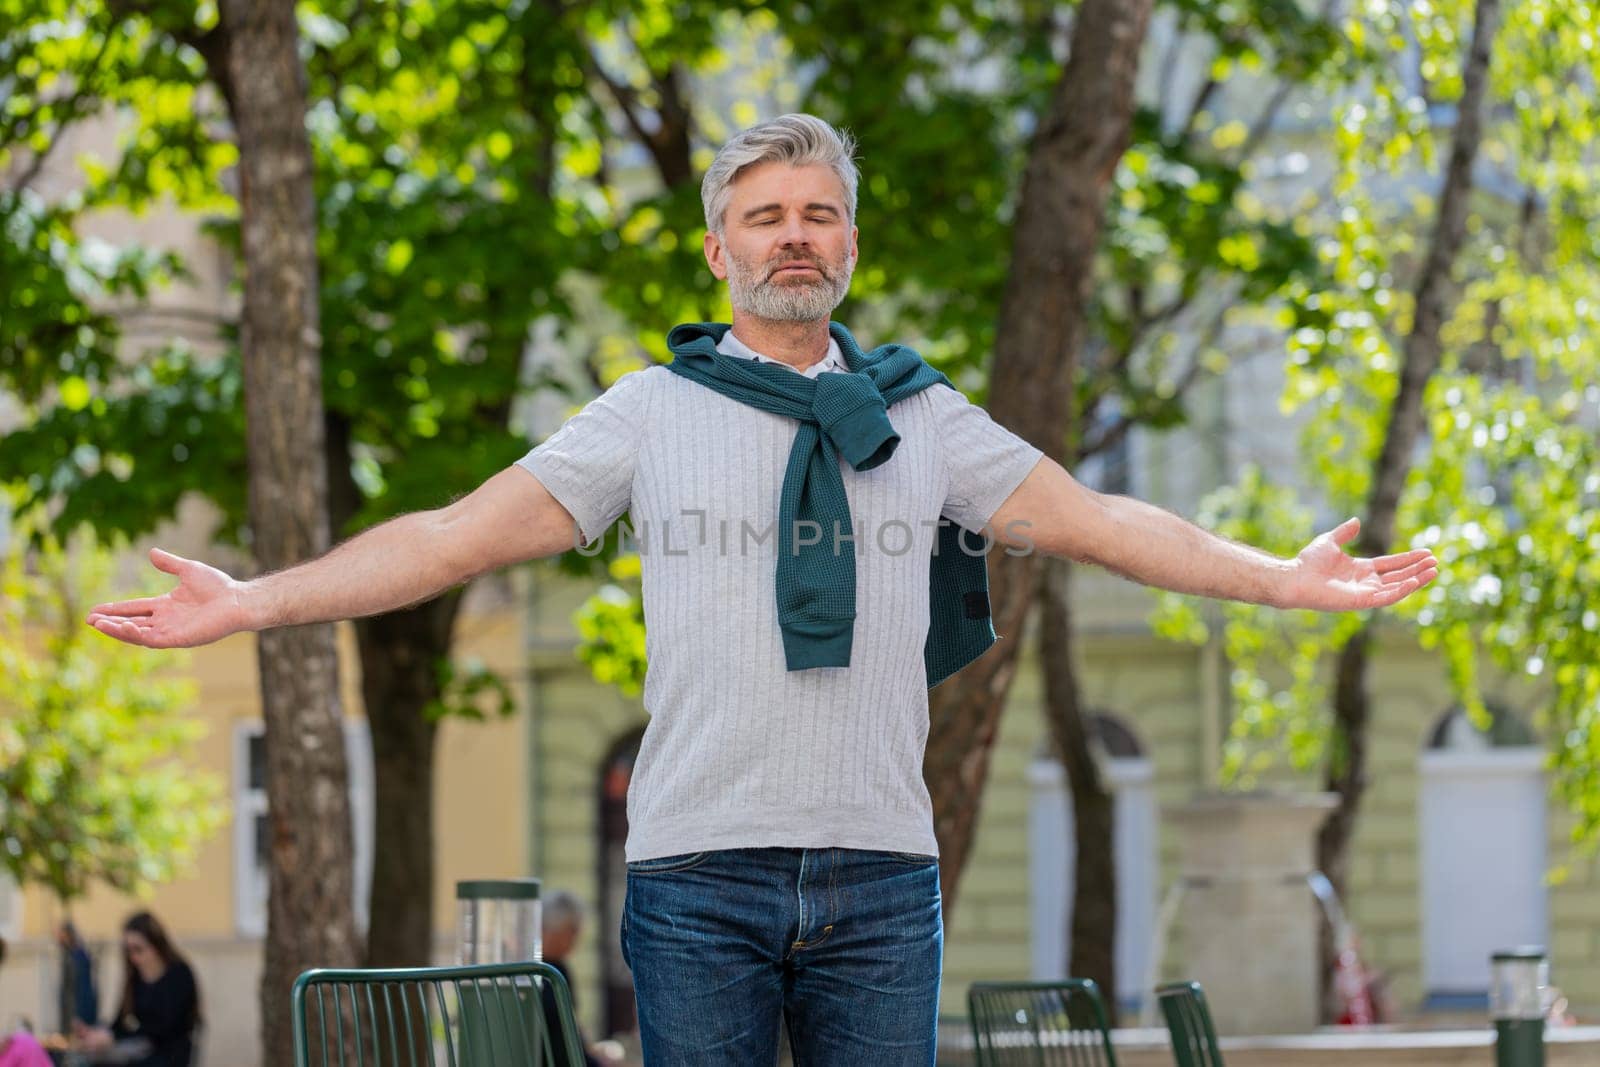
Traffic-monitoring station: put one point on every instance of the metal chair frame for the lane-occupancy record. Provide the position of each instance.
(1194, 1037)
(381, 1017)
(1040, 1024)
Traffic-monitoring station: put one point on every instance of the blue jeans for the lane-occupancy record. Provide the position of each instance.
(842, 947)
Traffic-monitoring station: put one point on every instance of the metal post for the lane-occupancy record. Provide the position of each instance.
(1520, 978)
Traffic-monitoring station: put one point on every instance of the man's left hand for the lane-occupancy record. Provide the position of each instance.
(1324, 578)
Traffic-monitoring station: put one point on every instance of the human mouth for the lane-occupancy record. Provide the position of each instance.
(796, 268)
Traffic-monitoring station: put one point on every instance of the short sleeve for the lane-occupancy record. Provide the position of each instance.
(588, 464)
(986, 462)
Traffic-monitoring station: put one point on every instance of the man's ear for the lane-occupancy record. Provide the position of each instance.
(716, 256)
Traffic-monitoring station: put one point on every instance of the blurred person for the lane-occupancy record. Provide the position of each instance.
(20, 1048)
(160, 1005)
(782, 859)
(77, 996)
(563, 916)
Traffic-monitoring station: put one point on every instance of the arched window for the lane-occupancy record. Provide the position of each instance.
(1482, 832)
(1130, 776)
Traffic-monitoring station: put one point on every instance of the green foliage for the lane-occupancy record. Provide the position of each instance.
(1278, 681)
(1502, 487)
(94, 781)
(943, 154)
(611, 630)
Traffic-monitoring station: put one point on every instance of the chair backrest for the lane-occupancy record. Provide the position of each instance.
(477, 1016)
(1039, 1024)
(1194, 1038)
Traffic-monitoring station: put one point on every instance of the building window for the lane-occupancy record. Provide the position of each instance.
(1052, 852)
(251, 829)
(1481, 824)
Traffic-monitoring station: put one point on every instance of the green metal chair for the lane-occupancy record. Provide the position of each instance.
(1039, 1024)
(500, 1014)
(1194, 1038)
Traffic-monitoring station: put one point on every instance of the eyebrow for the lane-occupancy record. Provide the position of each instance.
(765, 209)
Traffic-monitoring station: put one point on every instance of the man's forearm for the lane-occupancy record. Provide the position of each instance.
(404, 561)
(1146, 544)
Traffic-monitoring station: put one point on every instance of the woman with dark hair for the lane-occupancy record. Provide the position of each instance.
(160, 1000)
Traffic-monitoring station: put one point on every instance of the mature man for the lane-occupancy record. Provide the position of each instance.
(801, 595)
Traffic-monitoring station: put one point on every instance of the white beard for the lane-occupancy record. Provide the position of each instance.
(754, 292)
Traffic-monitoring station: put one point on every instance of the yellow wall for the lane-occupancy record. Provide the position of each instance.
(480, 815)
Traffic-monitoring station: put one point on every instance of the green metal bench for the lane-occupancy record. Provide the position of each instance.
(1194, 1038)
(489, 1014)
(1039, 1024)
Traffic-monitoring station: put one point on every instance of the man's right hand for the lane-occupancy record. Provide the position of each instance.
(509, 518)
(205, 607)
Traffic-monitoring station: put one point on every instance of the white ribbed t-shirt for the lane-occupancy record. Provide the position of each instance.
(739, 751)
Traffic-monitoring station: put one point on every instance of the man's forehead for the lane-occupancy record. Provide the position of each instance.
(776, 181)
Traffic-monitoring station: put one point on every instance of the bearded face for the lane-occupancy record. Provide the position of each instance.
(786, 246)
(793, 285)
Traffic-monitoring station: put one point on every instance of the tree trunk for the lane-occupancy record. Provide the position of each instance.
(1060, 215)
(1094, 887)
(309, 916)
(1435, 296)
(399, 657)
(399, 679)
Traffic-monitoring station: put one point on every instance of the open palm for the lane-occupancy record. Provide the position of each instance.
(203, 607)
(1326, 578)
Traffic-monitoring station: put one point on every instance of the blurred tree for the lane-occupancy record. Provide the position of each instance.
(1448, 394)
(942, 114)
(310, 917)
(1045, 318)
(94, 786)
(441, 233)
(74, 61)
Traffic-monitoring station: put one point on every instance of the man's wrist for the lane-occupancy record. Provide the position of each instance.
(252, 601)
(1283, 589)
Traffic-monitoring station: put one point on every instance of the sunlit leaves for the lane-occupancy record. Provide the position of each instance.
(92, 783)
(1503, 489)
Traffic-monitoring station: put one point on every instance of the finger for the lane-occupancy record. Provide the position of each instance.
(166, 561)
(1413, 571)
(1393, 594)
(121, 629)
(1384, 564)
(143, 607)
(1346, 531)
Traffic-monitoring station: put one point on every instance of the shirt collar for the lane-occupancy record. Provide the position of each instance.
(833, 361)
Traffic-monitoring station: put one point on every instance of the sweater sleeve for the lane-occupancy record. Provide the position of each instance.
(588, 464)
(985, 461)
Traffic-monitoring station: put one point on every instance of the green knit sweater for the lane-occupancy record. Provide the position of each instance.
(843, 415)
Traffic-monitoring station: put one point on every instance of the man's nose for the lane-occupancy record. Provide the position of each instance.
(794, 233)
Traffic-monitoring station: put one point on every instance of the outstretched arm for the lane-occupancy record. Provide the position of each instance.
(509, 518)
(1051, 512)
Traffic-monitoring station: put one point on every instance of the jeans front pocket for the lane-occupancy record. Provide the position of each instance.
(668, 864)
(916, 859)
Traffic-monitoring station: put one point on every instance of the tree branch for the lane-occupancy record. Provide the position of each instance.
(79, 96)
(1422, 348)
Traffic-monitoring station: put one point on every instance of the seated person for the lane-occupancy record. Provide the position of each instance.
(79, 999)
(20, 1049)
(562, 923)
(160, 1001)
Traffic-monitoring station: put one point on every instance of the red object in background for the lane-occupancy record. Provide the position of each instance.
(1352, 982)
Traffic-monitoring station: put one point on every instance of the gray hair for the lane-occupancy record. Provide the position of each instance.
(561, 909)
(798, 140)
